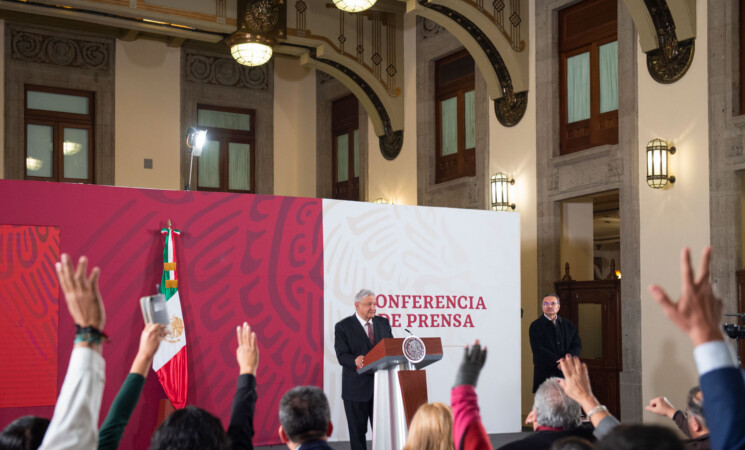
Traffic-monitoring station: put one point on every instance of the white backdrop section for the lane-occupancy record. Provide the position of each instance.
(423, 251)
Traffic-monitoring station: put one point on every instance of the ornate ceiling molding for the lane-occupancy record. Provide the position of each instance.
(492, 51)
(223, 71)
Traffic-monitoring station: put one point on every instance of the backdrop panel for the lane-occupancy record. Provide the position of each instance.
(246, 257)
(438, 272)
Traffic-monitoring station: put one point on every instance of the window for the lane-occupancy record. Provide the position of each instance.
(59, 134)
(345, 136)
(455, 120)
(589, 75)
(228, 158)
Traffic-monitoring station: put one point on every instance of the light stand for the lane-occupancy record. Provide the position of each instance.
(195, 140)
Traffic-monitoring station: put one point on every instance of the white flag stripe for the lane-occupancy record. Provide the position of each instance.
(168, 350)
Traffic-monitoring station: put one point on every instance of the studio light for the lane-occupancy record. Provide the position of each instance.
(500, 193)
(354, 5)
(195, 140)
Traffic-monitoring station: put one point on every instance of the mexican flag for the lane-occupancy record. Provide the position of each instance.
(170, 359)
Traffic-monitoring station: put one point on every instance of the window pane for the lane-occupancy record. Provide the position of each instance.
(578, 87)
(240, 166)
(209, 165)
(57, 102)
(39, 149)
(449, 126)
(342, 158)
(75, 153)
(222, 119)
(470, 119)
(356, 153)
(590, 329)
(609, 77)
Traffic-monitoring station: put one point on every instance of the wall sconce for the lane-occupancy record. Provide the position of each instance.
(500, 193)
(195, 140)
(354, 5)
(657, 157)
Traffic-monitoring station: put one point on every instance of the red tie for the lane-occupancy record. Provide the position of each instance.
(370, 333)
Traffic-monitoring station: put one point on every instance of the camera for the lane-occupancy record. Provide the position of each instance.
(734, 331)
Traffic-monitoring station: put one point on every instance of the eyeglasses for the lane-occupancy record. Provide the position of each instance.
(550, 304)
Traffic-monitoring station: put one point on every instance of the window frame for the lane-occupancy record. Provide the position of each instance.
(462, 163)
(344, 120)
(600, 128)
(59, 121)
(225, 136)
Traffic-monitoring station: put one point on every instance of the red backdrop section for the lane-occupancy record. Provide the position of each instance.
(244, 257)
(28, 328)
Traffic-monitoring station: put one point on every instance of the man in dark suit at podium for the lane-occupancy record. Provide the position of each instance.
(354, 336)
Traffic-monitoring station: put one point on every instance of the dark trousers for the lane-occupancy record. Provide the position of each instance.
(358, 413)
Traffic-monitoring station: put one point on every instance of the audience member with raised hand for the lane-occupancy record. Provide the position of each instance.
(190, 428)
(75, 419)
(126, 400)
(698, 313)
(431, 428)
(576, 384)
(468, 430)
(305, 419)
(24, 433)
(241, 430)
(691, 422)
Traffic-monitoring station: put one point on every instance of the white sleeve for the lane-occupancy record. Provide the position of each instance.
(713, 355)
(74, 424)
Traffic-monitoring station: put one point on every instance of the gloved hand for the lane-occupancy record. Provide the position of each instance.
(470, 367)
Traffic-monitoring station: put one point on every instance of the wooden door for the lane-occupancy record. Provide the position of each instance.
(595, 308)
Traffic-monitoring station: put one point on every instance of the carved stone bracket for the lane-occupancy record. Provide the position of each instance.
(224, 71)
(671, 60)
(510, 108)
(430, 28)
(391, 141)
(60, 51)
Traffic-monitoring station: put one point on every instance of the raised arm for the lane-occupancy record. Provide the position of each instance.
(126, 400)
(241, 428)
(75, 419)
(468, 430)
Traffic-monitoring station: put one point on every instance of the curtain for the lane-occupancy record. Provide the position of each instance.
(39, 149)
(356, 153)
(209, 165)
(222, 119)
(48, 101)
(609, 77)
(449, 113)
(76, 163)
(578, 87)
(342, 158)
(240, 166)
(470, 119)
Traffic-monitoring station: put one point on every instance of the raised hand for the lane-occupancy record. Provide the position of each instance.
(149, 343)
(247, 353)
(81, 292)
(698, 311)
(661, 406)
(471, 365)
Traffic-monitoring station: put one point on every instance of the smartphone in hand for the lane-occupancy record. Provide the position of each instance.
(154, 309)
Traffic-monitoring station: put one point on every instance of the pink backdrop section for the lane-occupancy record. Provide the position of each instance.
(28, 329)
(242, 257)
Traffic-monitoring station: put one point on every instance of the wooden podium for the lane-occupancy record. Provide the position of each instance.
(400, 389)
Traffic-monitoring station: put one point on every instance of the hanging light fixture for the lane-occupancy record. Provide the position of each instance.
(500, 193)
(33, 164)
(354, 5)
(657, 159)
(70, 148)
(260, 23)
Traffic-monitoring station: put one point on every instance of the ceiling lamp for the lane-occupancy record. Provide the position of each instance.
(70, 148)
(354, 5)
(260, 23)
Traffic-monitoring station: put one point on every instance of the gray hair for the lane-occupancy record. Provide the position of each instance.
(362, 294)
(554, 408)
(695, 406)
(304, 414)
(551, 294)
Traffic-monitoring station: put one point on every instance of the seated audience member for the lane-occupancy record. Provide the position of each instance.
(305, 418)
(572, 443)
(556, 416)
(74, 424)
(698, 313)
(468, 430)
(125, 402)
(431, 428)
(194, 428)
(190, 428)
(692, 423)
(640, 437)
(24, 433)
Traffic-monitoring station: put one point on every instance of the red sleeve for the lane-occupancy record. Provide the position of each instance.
(468, 431)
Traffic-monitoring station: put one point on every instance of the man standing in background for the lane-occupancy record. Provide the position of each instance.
(354, 336)
(551, 337)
